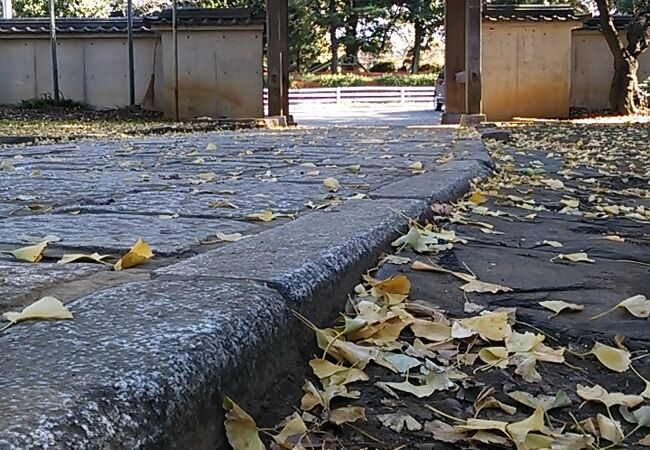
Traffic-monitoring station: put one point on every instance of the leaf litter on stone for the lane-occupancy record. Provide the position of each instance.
(241, 429)
(637, 305)
(558, 306)
(31, 253)
(138, 254)
(47, 308)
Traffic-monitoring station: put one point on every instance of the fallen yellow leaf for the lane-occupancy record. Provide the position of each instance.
(394, 289)
(74, 257)
(348, 414)
(47, 308)
(477, 198)
(637, 305)
(139, 253)
(331, 184)
(241, 430)
(483, 287)
(557, 306)
(31, 253)
(614, 359)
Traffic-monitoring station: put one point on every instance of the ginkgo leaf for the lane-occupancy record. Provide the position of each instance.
(334, 374)
(433, 382)
(211, 147)
(519, 430)
(609, 429)
(348, 414)
(432, 331)
(331, 184)
(444, 432)
(555, 244)
(416, 166)
(598, 393)
(418, 265)
(483, 287)
(234, 237)
(614, 359)
(553, 184)
(545, 402)
(295, 426)
(614, 238)
(208, 176)
(31, 253)
(397, 421)
(314, 397)
(557, 306)
(393, 289)
(265, 216)
(353, 168)
(491, 326)
(47, 308)
(139, 253)
(241, 430)
(637, 305)
(494, 356)
(477, 198)
(74, 257)
(223, 204)
(574, 257)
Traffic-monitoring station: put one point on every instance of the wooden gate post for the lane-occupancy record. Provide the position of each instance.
(277, 29)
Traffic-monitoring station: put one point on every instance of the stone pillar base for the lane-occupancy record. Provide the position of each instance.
(472, 120)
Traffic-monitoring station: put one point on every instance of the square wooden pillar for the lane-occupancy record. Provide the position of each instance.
(463, 20)
(277, 29)
(454, 60)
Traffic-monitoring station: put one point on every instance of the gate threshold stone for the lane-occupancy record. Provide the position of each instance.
(147, 364)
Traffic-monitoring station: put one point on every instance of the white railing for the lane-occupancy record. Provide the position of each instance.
(356, 95)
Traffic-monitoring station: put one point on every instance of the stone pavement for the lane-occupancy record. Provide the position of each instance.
(153, 349)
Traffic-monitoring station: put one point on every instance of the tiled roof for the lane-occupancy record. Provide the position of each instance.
(208, 16)
(530, 13)
(186, 16)
(41, 25)
(620, 22)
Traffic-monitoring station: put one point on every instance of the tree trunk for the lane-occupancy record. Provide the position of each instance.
(417, 47)
(624, 95)
(334, 41)
(351, 41)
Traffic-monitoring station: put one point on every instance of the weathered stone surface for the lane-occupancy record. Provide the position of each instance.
(116, 233)
(21, 282)
(304, 256)
(136, 365)
(436, 186)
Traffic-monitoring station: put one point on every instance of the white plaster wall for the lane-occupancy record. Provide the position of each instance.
(220, 72)
(593, 69)
(92, 70)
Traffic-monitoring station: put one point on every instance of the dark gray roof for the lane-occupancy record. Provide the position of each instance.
(41, 25)
(530, 13)
(208, 16)
(186, 16)
(620, 22)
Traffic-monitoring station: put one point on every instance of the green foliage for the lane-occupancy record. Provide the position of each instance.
(63, 8)
(343, 80)
(422, 79)
(353, 80)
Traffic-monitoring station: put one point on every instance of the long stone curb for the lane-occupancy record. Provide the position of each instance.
(147, 364)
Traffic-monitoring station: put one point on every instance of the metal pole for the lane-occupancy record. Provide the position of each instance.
(55, 62)
(129, 31)
(7, 9)
(175, 52)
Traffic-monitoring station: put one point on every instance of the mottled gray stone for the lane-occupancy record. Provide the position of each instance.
(196, 202)
(449, 181)
(303, 257)
(22, 281)
(115, 233)
(135, 365)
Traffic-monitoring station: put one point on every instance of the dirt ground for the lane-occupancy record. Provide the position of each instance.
(565, 217)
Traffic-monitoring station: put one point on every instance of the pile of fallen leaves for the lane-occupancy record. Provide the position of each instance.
(433, 352)
(409, 348)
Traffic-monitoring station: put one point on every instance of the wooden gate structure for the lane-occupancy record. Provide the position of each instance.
(462, 58)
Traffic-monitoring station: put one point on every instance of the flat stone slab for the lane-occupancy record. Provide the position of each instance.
(302, 256)
(116, 233)
(21, 282)
(136, 361)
